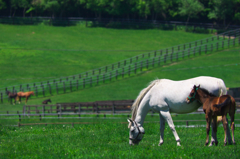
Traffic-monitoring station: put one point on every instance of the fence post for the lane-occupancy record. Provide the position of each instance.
(43, 111)
(97, 79)
(135, 68)
(79, 110)
(1, 97)
(57, 87)
(147, 63)
(122, 72)
(64, 89)
(43, 90)
(71, 86)
(116, 74)
(77, 84)
(50, 89)
(113, 109)
(129, 70)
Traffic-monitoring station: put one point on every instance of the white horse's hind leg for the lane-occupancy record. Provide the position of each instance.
(167, 116)
(162, 127)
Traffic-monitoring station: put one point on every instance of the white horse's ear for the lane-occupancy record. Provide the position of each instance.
(130, 120)
(142, 130)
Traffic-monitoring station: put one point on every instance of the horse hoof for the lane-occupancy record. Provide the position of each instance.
(234, 143)
(178, 144)
(160, 143)
(225, 143)
(216, 143)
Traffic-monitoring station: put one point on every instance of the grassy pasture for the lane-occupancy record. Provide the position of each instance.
(109, 140)
(39, 58)
(38, 53)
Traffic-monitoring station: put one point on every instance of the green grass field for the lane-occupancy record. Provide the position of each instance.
(109, 140)
(38, 58)
(37, 53)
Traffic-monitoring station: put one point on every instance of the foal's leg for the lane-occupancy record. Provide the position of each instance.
(162, 127)
(208, 119)
(232, 127)
(214, 130)
(225, 129)
(167, 116)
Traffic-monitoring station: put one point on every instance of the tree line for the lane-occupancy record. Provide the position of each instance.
(216, 11)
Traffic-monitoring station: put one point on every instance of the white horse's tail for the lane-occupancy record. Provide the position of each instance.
(139, 99)
(222, 88)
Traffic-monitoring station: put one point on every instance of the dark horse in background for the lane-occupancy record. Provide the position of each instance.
(46, 101)
(11, 96)
(213, 107)
(24, 95)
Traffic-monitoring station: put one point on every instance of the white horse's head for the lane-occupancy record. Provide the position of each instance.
(136, 133)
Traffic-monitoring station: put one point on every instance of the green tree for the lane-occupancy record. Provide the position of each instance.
(37, 6)
(190, 8)
(221, 9)
(97, 6)
(13, 6)
(160, 7)
(52, 6)
(24, 4)
(144, 8)
(2, 4)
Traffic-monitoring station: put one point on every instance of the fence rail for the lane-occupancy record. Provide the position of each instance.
(129, 66)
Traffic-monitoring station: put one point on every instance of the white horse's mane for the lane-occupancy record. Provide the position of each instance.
(140, 97)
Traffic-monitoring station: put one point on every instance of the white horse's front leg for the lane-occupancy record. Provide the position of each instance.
(167, 116)
(162, 127)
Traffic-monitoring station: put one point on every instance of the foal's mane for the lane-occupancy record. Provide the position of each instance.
(206, 92)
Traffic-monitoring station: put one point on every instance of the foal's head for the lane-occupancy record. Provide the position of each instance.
(198, 93)
(193, 94)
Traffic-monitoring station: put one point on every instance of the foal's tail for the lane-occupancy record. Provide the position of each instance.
(225, 103)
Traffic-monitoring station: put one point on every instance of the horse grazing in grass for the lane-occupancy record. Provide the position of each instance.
(213, 107)
(166, 96)
(11, 96)
(46, 101)
(24, 95)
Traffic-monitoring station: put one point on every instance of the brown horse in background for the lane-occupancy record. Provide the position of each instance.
(46, 101)
(213, 107)
(11, 96)
(24, 95)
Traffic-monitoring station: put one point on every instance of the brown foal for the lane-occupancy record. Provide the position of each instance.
(213, 107)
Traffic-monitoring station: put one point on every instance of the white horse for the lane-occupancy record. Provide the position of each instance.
(167, 96)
